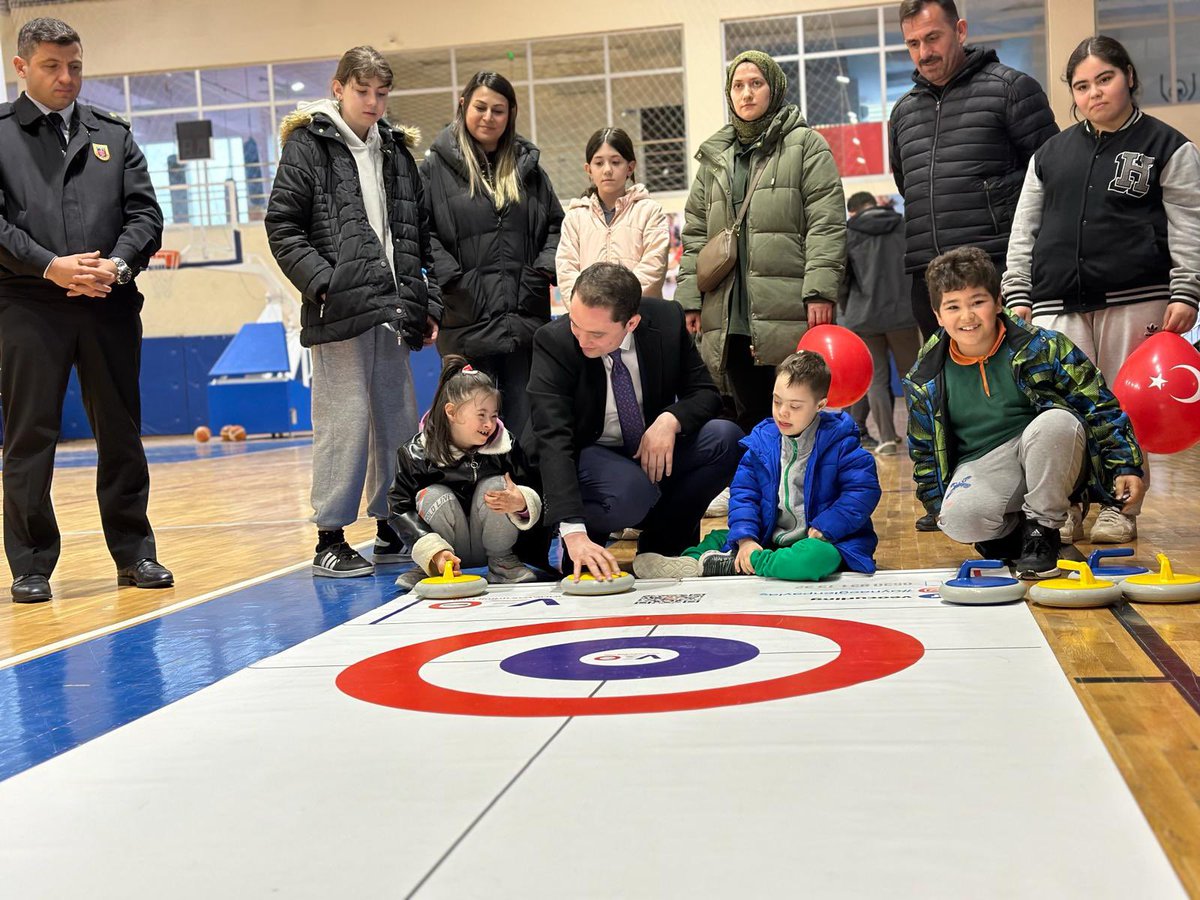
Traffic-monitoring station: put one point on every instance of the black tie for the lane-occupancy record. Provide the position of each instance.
(56, 123)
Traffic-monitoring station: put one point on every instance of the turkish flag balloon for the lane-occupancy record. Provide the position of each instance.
(848, 359)
(1159, 388)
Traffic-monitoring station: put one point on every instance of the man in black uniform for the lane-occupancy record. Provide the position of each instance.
(78, 218)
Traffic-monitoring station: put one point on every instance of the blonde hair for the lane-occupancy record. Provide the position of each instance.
(504, 186)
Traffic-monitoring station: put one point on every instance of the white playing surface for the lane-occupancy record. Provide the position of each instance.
(973, 773)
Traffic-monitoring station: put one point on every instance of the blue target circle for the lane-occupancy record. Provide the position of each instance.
(631, 657)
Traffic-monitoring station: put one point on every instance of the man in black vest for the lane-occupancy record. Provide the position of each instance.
(960, 142)
(622, 422)
(78, 218)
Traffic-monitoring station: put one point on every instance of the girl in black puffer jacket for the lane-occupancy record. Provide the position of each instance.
(495, 226)
(347, 226)
(455, 499)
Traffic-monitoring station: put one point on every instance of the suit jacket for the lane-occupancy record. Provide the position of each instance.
(567, 393)
(96, 197)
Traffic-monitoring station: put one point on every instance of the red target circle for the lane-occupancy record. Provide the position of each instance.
(868, 652)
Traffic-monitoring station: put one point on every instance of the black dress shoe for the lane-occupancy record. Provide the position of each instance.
(927, 522)
(145, 573)
(31, 589)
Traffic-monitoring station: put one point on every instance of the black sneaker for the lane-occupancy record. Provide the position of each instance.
(1039, 552)
(715, 563)
(388, 546)
(927, 522)
(1006, 549)
(340, 560)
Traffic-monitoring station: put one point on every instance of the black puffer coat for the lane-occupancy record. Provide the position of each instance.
(959, 155)
(319, 234)
(495, 268)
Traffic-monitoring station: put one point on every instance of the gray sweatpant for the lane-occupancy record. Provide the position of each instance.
(1107, 337)
(1034, 473)
(904, 344)
(363, 408)
(476, 537)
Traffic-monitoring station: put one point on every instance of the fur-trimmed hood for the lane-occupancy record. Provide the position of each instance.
(309, 113)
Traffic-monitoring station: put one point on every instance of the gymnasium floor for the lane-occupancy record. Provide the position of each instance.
(256, 731)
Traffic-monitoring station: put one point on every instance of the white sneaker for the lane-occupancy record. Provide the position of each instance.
(1113, 527)
(655, 565)
(508, 569)
(719, 506)
(1072, 530)
(887, 448)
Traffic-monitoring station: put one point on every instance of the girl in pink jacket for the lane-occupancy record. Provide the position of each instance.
(615, 222)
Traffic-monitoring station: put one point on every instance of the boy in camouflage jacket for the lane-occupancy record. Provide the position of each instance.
(1007, 421)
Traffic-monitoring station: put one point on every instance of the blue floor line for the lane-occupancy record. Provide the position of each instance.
(175, 453)
(54, 703)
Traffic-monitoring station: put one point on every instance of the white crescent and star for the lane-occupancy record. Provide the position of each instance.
(1195, 398)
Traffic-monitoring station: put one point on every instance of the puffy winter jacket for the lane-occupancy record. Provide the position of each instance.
(878, 292)
(796, 241)
(319, 233)
(415, 472)
(1053, 374)
(959, 155)
(841, 489)
(637, 238)
(492, 265)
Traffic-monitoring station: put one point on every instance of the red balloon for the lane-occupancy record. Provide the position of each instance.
(848, 358)
(1159, 389)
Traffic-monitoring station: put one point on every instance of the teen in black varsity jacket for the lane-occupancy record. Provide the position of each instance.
(1105, 243)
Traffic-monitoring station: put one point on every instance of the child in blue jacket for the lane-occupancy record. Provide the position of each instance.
(801, 501)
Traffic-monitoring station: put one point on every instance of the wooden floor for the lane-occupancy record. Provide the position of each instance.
(224, 521)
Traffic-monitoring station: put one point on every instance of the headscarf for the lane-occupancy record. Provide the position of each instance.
(749, 132)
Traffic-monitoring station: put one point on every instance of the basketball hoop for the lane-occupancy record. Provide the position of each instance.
(159, 273)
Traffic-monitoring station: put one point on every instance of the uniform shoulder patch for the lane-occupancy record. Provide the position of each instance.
(110, 117)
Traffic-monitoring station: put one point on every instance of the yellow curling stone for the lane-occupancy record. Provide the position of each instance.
(449, 586)
(1087, 592)
(590, 586)
(1163, 586)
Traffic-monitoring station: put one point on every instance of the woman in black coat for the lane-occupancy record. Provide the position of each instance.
(495, 234)
(347, 226)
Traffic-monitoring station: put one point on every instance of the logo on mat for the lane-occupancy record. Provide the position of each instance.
(101, 151)
(1133, 174)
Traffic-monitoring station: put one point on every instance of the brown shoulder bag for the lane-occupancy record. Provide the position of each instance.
(718, 256)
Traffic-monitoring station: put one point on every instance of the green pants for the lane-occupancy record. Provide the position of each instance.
(809, 559)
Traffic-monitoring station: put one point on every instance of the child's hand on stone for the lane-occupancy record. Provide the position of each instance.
(742, 563)
(509, 500)
(438, 563)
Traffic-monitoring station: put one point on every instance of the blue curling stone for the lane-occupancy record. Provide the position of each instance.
(981, 590)
(1115, 572)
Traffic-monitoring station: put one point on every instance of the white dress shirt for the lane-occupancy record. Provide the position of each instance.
(610, 436)
(66, 114)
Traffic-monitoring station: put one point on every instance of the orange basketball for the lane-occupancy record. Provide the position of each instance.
(237, 433)
(202, 434)
(227, 432)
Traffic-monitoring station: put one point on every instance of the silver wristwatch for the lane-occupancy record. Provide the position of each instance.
(124, 273)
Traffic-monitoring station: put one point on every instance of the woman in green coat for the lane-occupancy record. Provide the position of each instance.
(791, 243)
